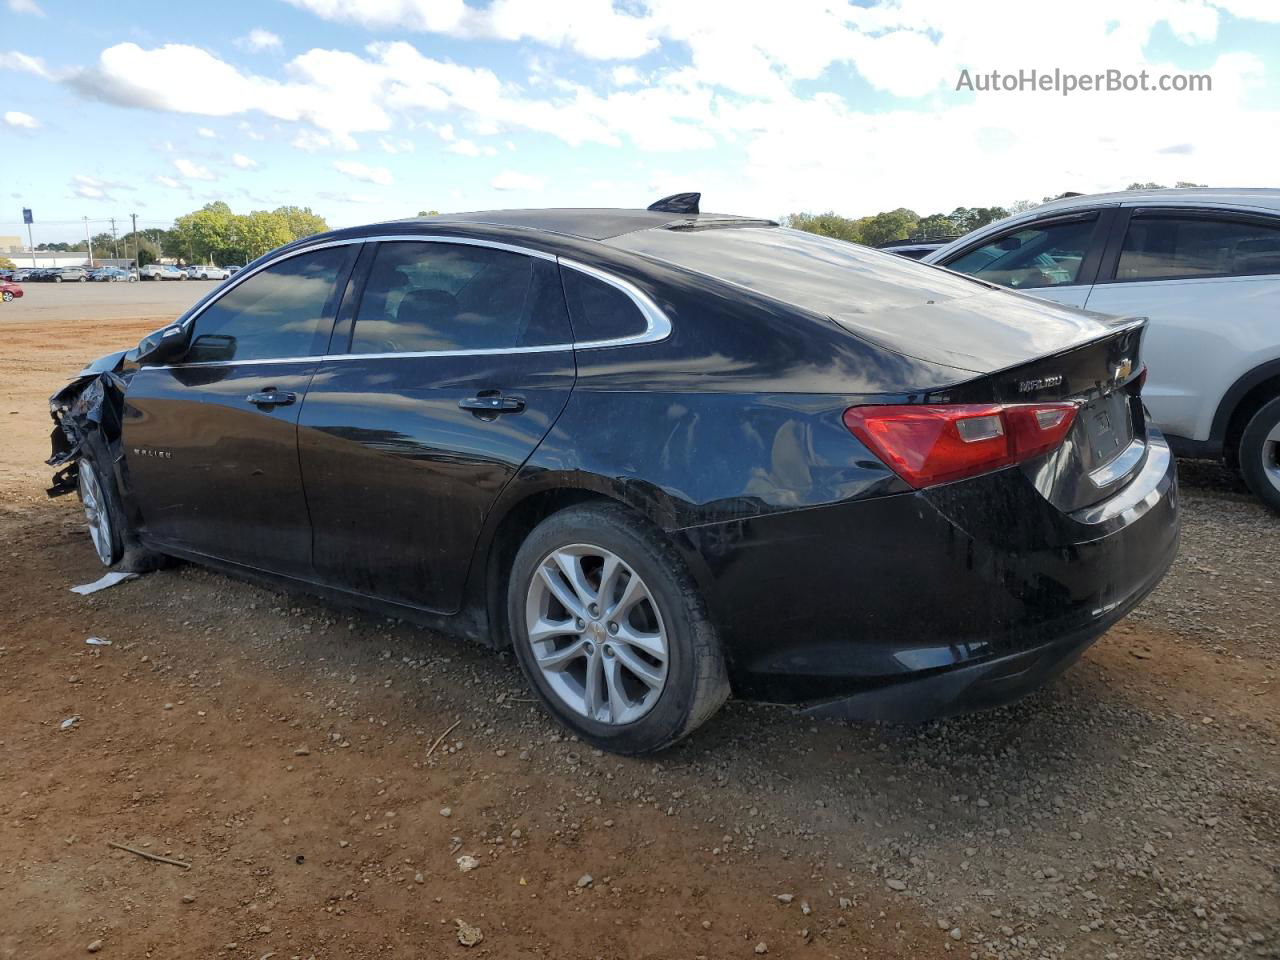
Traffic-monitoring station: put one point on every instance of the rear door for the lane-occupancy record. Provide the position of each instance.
(1208, 280)
(211, 441)
(447, 373)
(1055, 258)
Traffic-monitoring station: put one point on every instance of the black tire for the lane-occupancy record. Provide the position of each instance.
(1259, 454)
(8, 295)
(125, 552)
(57, 279)
(696, 683)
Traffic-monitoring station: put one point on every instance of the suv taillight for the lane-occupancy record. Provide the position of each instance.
(929, 444)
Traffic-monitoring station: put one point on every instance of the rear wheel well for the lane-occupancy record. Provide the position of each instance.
(1253, 401)
(511, 533)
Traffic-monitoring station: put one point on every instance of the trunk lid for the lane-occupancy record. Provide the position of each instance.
(1107, 443)
(985, 332)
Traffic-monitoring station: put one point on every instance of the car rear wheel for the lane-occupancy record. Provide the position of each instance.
(8, 295)
(611, 633)
(57, 279)
(1259, 454)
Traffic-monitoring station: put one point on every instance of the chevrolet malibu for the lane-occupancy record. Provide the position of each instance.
(663, 455)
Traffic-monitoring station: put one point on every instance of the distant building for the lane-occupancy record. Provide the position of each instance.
(10, 245)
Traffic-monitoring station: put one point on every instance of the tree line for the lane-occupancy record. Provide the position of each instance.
(214, 233)
(904, 223)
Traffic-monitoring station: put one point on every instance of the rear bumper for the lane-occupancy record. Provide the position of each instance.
(922, 604)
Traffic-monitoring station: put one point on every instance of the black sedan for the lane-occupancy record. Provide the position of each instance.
(664, 455)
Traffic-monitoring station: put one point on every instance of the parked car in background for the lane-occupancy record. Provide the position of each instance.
(6, 275)
(660, 454)
(234, 268)
(914, 248)
(71, 274)
(22, 274)
(1204, 266)
(9, 290)
(210, 273)
(161, 271)
(114, 275)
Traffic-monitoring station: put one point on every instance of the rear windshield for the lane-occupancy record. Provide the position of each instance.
(827, 276)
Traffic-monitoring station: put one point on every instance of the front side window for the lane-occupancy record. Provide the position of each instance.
(281, 312)
(424, 297)
(1046, 255)
(1172, 248)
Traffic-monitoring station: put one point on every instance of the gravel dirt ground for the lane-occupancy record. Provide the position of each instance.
(305, 762)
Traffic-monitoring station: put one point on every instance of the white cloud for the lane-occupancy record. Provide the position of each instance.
(243, 162)
(310, 141)
(258, 40)
(466, 148)
(592, 28)
(170, 182)
(360, 171)
(94, 188)
(510, 180)
(394, 146)
(207, 133)
(192, 170)
(625, 76)
(24, 63)
(16, 118)
(25, 6)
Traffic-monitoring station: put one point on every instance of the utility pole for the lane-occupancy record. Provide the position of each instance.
(87, 241)
(135, 240)
(115, 241)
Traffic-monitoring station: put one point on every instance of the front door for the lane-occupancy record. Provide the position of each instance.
(210, 442)
(1054, 259)
(459, 362)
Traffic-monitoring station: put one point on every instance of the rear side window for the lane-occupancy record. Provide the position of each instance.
(424, 297)
(599, 310)
(1047, 255)
(280, 312)
(1173, 248)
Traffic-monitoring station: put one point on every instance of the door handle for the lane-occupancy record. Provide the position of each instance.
(492, 405)
(271, 398)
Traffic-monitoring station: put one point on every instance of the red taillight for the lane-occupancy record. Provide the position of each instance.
(931, 444)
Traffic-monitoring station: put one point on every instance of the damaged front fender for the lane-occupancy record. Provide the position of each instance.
(93, 401)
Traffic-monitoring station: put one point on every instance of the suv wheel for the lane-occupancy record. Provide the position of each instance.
(611, 633)
(1259, 454)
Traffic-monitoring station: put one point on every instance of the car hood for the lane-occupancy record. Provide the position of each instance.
(984, 332)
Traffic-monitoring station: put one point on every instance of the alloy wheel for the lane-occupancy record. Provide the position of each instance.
(596, 634)
(1271, 456)
(95, 511)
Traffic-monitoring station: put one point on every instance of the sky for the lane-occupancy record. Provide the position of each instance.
(369, 110)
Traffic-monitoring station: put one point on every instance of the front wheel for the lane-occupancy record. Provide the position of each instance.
(610, 630)
(57, 279)
(1259, 454)
(113, 540)
(83, 279)
(8, 296)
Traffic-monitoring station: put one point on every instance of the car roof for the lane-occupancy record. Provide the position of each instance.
(586, 223)
(1263, 197)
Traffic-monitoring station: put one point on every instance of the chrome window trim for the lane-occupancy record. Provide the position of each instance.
(657, 325)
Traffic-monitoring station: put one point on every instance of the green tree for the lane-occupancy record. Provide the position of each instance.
(890, 225)
(257, 232)
(935, 225)
(7, 264)
(965, 219)
(826, 225)
(428, 213)
(301, 221)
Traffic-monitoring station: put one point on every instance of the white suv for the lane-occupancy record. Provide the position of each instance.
(1204, 266)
